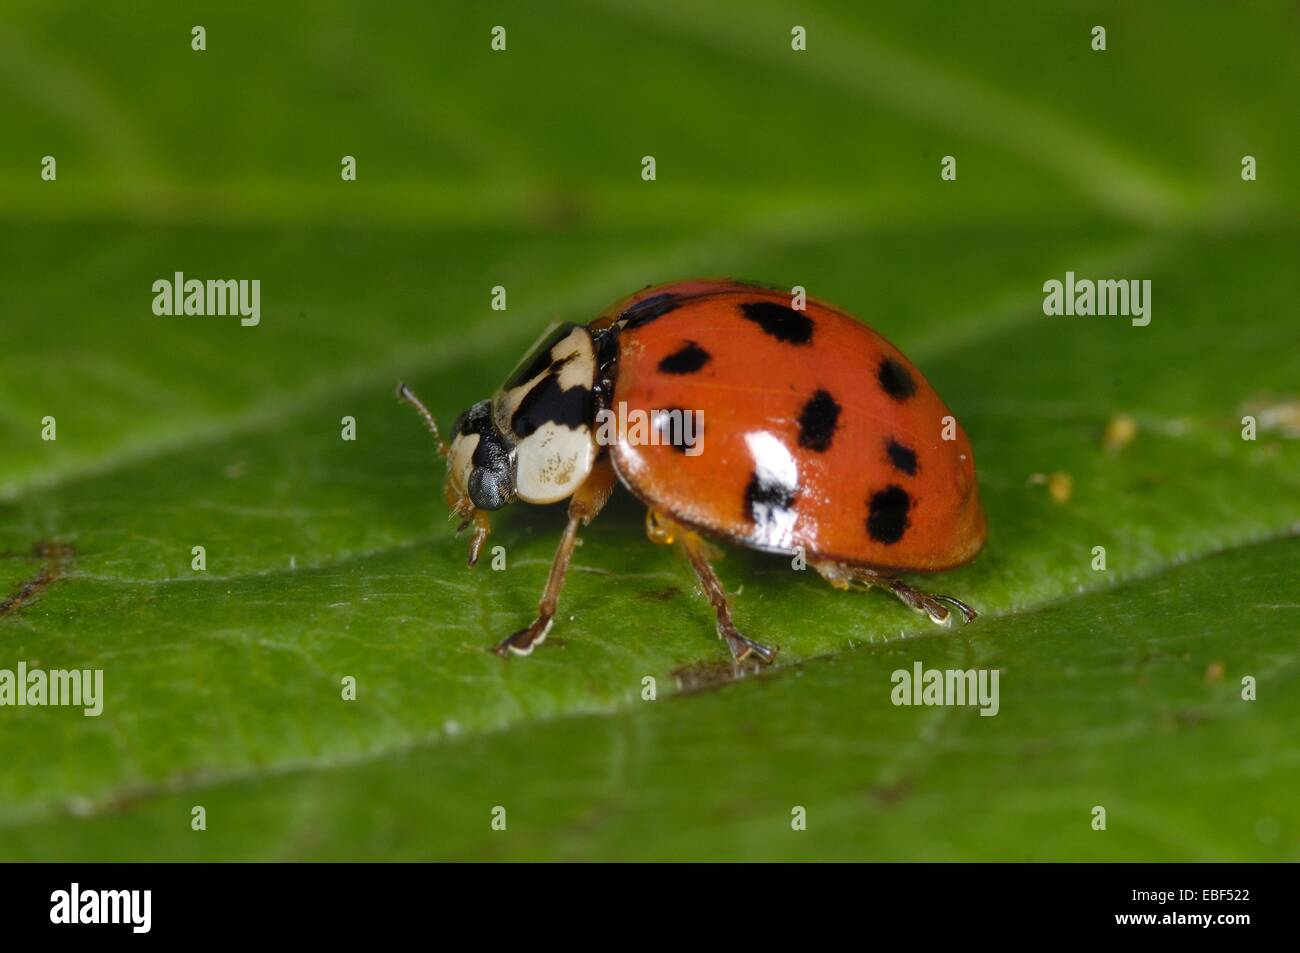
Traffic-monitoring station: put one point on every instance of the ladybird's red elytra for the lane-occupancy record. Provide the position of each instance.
(819, 437)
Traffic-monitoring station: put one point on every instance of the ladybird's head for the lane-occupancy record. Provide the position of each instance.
(532, 441)
(481, 462)
(480, 466)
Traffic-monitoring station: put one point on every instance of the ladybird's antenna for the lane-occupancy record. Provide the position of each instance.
(405, 393)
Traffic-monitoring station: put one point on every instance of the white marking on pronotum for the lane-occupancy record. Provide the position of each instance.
(553, 462)
(580, 368)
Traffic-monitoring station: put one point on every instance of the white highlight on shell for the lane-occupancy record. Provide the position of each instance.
(775, 467)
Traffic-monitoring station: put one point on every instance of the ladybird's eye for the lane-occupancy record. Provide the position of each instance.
(490, 489)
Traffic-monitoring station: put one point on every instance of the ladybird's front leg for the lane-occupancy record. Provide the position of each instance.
(525, 640)
(460, 506)
(482, 527)
(586, 502)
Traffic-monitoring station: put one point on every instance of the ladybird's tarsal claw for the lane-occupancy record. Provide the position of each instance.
(932, 606)
(967, 612)
(844, 576)
(525, 640)
(742, 647)
(939, 615)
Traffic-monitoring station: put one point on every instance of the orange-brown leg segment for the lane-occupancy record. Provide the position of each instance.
(479, 520)
(660, 529)
(843, 576)
(525, 640)
(586, 502)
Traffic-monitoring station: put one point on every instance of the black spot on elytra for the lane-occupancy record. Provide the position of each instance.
(688, 360)
(646, 310)
(895, 379)
(767, 500)
(817, 422)
(547, 403)
(887, 516)
(903, 458)
(783, 323)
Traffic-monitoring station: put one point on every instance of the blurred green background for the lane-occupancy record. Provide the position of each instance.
(522, 168)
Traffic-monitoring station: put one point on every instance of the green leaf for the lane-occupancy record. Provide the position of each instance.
(328, 558)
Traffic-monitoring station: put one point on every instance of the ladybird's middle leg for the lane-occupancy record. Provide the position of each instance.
(742, 647)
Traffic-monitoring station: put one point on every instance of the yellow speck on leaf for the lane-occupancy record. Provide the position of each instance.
(1121, 429)
(1060, 485)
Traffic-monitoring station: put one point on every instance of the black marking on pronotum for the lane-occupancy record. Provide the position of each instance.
(542, 358)
(887, 514)
(605, 343)
(817, 422)
(895, 379)
(689, 359)
(548, 403)
(646, 310)
(903, 458)
(783, 323)
(766, 500)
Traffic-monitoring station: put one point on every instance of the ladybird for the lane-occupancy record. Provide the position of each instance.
(816, 436)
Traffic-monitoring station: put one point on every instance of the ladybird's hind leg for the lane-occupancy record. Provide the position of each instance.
(588, 500)
(843, 576)
(698, 552)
